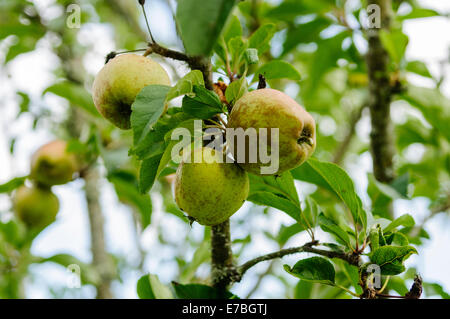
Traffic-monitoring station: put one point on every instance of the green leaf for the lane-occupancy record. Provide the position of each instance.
(282, 185)
(398, 239)
(381, 196)
(435, 107)
(419, 68)
(291, 9)
(386, 189)
(374, 236)
(197, 291)
(251, 56)
(24, 44)
(333, 178)
(25, 102)
(391, 258)
(201, 22)
(232, 29)
(220, 50)
(278, 69)
(286, 232)
(144, 290)
(381, 238)
(237, 48)
(146, 110)
(404, 220)
(13, 25)
(88, 273)
(149, 287)
(312, 211)
(315, 269)
(75, 94)
(167, 155)
(352, 274)
(186, 84)
(400, 184)
(414, 131)
(434, 289)
(260, 39)
(202, 255)
(275, 191)
(148, 172)
(12, 184)
(324, 59)
(304, 33)
(418, 13)
(331, 227)
(265, 198)
(204, 105)
(154, 142)
(236, 90)
(304, 290)
(398, 285)
(127, 189)
(395, 42)
(14, 232)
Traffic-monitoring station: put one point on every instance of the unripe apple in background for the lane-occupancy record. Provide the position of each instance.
(209, 191)
(119, 81)
(269, 108)
(35, 206)
(52, 164)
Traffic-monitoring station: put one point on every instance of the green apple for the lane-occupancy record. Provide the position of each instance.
(269, 108)
(210, 190)
(119, 81)
(52, 164)
(35, 206)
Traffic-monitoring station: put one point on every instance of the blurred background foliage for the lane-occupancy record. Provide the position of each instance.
(324, 41)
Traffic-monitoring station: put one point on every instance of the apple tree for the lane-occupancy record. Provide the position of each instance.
(356, 136)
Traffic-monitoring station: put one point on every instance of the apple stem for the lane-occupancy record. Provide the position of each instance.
(261, 82)
(146, 21)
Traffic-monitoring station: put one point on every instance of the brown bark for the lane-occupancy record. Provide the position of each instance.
(222, 268)
(100, 257)
(380, 96)
(351, 258)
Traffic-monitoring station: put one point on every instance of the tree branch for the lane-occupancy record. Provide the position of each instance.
(343, 148)
(380, 96)
(223, 271)
(351, 258)
(222, 268)
(101, 260)
(195, 62)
